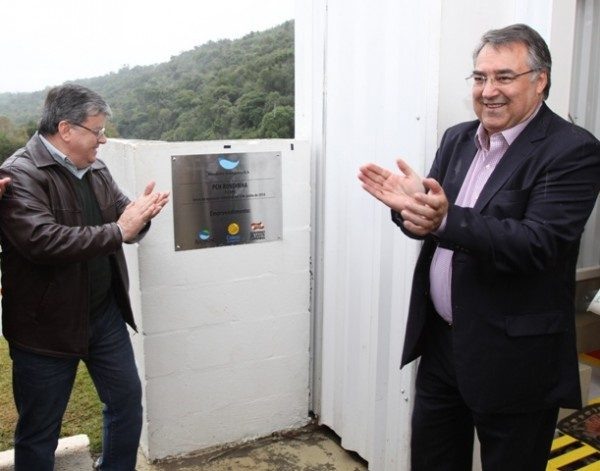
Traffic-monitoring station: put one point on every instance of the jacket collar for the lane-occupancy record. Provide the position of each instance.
(41, 157)
(458, 167)
(518, 152)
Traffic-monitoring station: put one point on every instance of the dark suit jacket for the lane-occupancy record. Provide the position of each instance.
(513, 266)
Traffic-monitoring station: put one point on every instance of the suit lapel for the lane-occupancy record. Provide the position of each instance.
(459, 166)
(518, 152)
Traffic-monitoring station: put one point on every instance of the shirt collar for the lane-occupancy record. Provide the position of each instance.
(509, 135)
(62, 159)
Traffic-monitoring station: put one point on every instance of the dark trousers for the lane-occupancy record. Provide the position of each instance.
(42, 386)
(443, 426)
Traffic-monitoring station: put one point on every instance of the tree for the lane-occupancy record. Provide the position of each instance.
(278, 123)
(227, 89)
(11, 138)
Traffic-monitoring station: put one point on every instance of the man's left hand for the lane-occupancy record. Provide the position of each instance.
(427, 210)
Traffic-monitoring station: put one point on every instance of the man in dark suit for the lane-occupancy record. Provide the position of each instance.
(492, 306)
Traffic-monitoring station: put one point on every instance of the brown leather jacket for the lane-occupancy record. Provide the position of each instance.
(45, 247)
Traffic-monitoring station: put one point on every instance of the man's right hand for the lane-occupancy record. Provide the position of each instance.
(395, 190)
(139, 212)
(3, 184)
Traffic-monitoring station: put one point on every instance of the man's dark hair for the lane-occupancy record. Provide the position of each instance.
(539, 54)
(73, 103)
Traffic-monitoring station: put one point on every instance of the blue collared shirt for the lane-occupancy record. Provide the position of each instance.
(62, 159)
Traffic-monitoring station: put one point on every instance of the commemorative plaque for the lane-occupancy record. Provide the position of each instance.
(226, 199)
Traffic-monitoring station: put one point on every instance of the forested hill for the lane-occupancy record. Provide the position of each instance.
(228, 89)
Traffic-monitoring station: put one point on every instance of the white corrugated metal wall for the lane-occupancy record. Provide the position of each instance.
(585, 104)
(375, 101)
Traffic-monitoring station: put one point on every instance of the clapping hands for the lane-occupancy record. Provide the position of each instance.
(139, 212)
(422, 203)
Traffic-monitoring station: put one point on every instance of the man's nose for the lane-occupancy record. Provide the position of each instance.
(489, 87)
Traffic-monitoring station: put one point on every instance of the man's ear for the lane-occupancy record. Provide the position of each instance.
(64, 130)
(541, 82)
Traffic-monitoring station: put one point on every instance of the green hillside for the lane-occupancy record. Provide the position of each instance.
(228, 89)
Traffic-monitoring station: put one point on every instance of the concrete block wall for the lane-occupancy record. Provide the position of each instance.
(223, 342)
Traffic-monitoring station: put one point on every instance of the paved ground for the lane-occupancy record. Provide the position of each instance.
(72, 454)
(310, 449)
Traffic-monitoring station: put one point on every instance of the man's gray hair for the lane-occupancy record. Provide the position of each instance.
(73, 103)
(539, 54)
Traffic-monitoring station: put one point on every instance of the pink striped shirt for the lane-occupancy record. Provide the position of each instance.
(489, 152)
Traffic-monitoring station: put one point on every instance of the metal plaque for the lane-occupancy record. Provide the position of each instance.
(226, 199)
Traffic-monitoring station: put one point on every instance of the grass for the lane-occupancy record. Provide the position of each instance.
(83, 415)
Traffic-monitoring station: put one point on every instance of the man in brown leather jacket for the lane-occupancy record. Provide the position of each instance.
(63, 221)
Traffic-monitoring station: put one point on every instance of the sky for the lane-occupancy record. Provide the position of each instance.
(45, 42)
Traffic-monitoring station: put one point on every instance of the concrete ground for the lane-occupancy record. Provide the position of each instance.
(312, 448)
(72, 454)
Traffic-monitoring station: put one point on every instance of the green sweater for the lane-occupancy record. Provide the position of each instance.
(99, 268)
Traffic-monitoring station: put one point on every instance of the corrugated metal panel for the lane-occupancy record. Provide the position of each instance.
(585, 105)
(379, 103)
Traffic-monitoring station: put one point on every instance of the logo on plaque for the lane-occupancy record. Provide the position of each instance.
(257, 230)
(204, 234)
(233, 229)
(228, 164)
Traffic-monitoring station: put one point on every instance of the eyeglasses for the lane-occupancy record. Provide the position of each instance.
(99, 134)
(503, 79)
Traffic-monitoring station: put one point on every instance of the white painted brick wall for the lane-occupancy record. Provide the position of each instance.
(223, 346)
